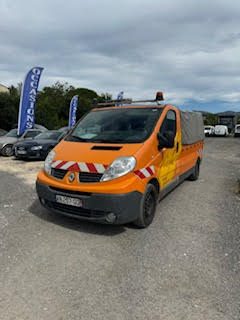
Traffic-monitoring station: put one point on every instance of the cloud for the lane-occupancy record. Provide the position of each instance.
(188, 49)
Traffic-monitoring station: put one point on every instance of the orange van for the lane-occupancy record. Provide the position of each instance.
(118, 161)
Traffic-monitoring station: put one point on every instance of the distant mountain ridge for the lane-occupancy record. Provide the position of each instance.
(226, 113)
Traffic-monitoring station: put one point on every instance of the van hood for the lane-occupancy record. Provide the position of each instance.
(94, 152)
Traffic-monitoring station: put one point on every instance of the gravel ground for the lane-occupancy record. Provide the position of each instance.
(186, 265)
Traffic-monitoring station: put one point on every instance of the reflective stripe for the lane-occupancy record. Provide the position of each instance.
(67, 165)
(55, 163)
(145, 172)
(150, 170)
(80, 166)
(59, 166)
(83, 167)
(91, 167)
(140, 174)
(100, 168)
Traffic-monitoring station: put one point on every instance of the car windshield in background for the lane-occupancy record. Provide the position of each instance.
(131, 125)
(49, 135)
(31, 134)
(12, 133)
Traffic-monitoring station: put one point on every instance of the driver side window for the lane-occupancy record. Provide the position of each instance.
(169, 124)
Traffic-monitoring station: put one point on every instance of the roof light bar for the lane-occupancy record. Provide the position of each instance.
(159, 97)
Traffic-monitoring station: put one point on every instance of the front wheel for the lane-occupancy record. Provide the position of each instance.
(7, 150)
(148, 207)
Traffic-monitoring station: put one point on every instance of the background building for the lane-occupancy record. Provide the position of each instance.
(3, 89)
(228, 118)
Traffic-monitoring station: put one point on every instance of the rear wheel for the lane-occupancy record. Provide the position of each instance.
(148, 207)
(194, 176)
(7, 150)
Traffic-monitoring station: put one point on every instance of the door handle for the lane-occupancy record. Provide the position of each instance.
(177, 147)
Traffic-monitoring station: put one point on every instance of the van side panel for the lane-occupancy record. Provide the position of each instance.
(189, 156)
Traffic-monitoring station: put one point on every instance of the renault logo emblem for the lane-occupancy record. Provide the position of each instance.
(71, 177)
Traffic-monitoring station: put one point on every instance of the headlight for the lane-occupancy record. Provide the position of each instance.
(35, 148)
(119, 167)
(48, 161)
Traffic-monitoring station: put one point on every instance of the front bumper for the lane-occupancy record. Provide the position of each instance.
(31, 154)
(96, 206)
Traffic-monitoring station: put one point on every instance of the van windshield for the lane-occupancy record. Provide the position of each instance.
(130, 125)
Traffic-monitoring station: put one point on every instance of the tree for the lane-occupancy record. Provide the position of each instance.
(210, 119)
(9, 103)
(52, 105)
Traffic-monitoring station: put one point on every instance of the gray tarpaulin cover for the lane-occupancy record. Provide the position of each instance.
(192, 127)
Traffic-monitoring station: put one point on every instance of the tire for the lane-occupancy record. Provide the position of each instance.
(148, 207)
(7, 151)
(195, 175)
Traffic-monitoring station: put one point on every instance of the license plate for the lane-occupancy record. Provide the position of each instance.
(69, 201)
(21, 152)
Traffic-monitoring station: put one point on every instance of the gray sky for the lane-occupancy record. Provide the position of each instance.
(188, 49)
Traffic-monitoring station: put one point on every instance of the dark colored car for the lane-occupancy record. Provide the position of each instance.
(40, 146)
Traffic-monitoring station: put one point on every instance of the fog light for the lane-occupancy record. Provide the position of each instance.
(111, 217)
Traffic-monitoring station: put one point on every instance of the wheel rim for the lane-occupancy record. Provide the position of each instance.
(8, 151)
(149, 207)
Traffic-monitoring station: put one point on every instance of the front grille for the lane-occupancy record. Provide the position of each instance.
(82, 212)
(58, 173)
(21, 148)
(71, 192)
(89, 177)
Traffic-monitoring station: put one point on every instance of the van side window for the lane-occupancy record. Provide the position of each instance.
(169, 123)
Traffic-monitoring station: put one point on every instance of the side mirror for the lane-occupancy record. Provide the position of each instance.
(166, 140)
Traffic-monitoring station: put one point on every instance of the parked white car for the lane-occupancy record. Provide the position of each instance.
(209, 131)
(221, 130)
(237, 130)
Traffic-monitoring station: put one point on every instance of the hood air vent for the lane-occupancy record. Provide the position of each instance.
(112, 148)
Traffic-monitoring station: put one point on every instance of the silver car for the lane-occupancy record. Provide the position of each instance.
(2, 132)
(8, 140)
